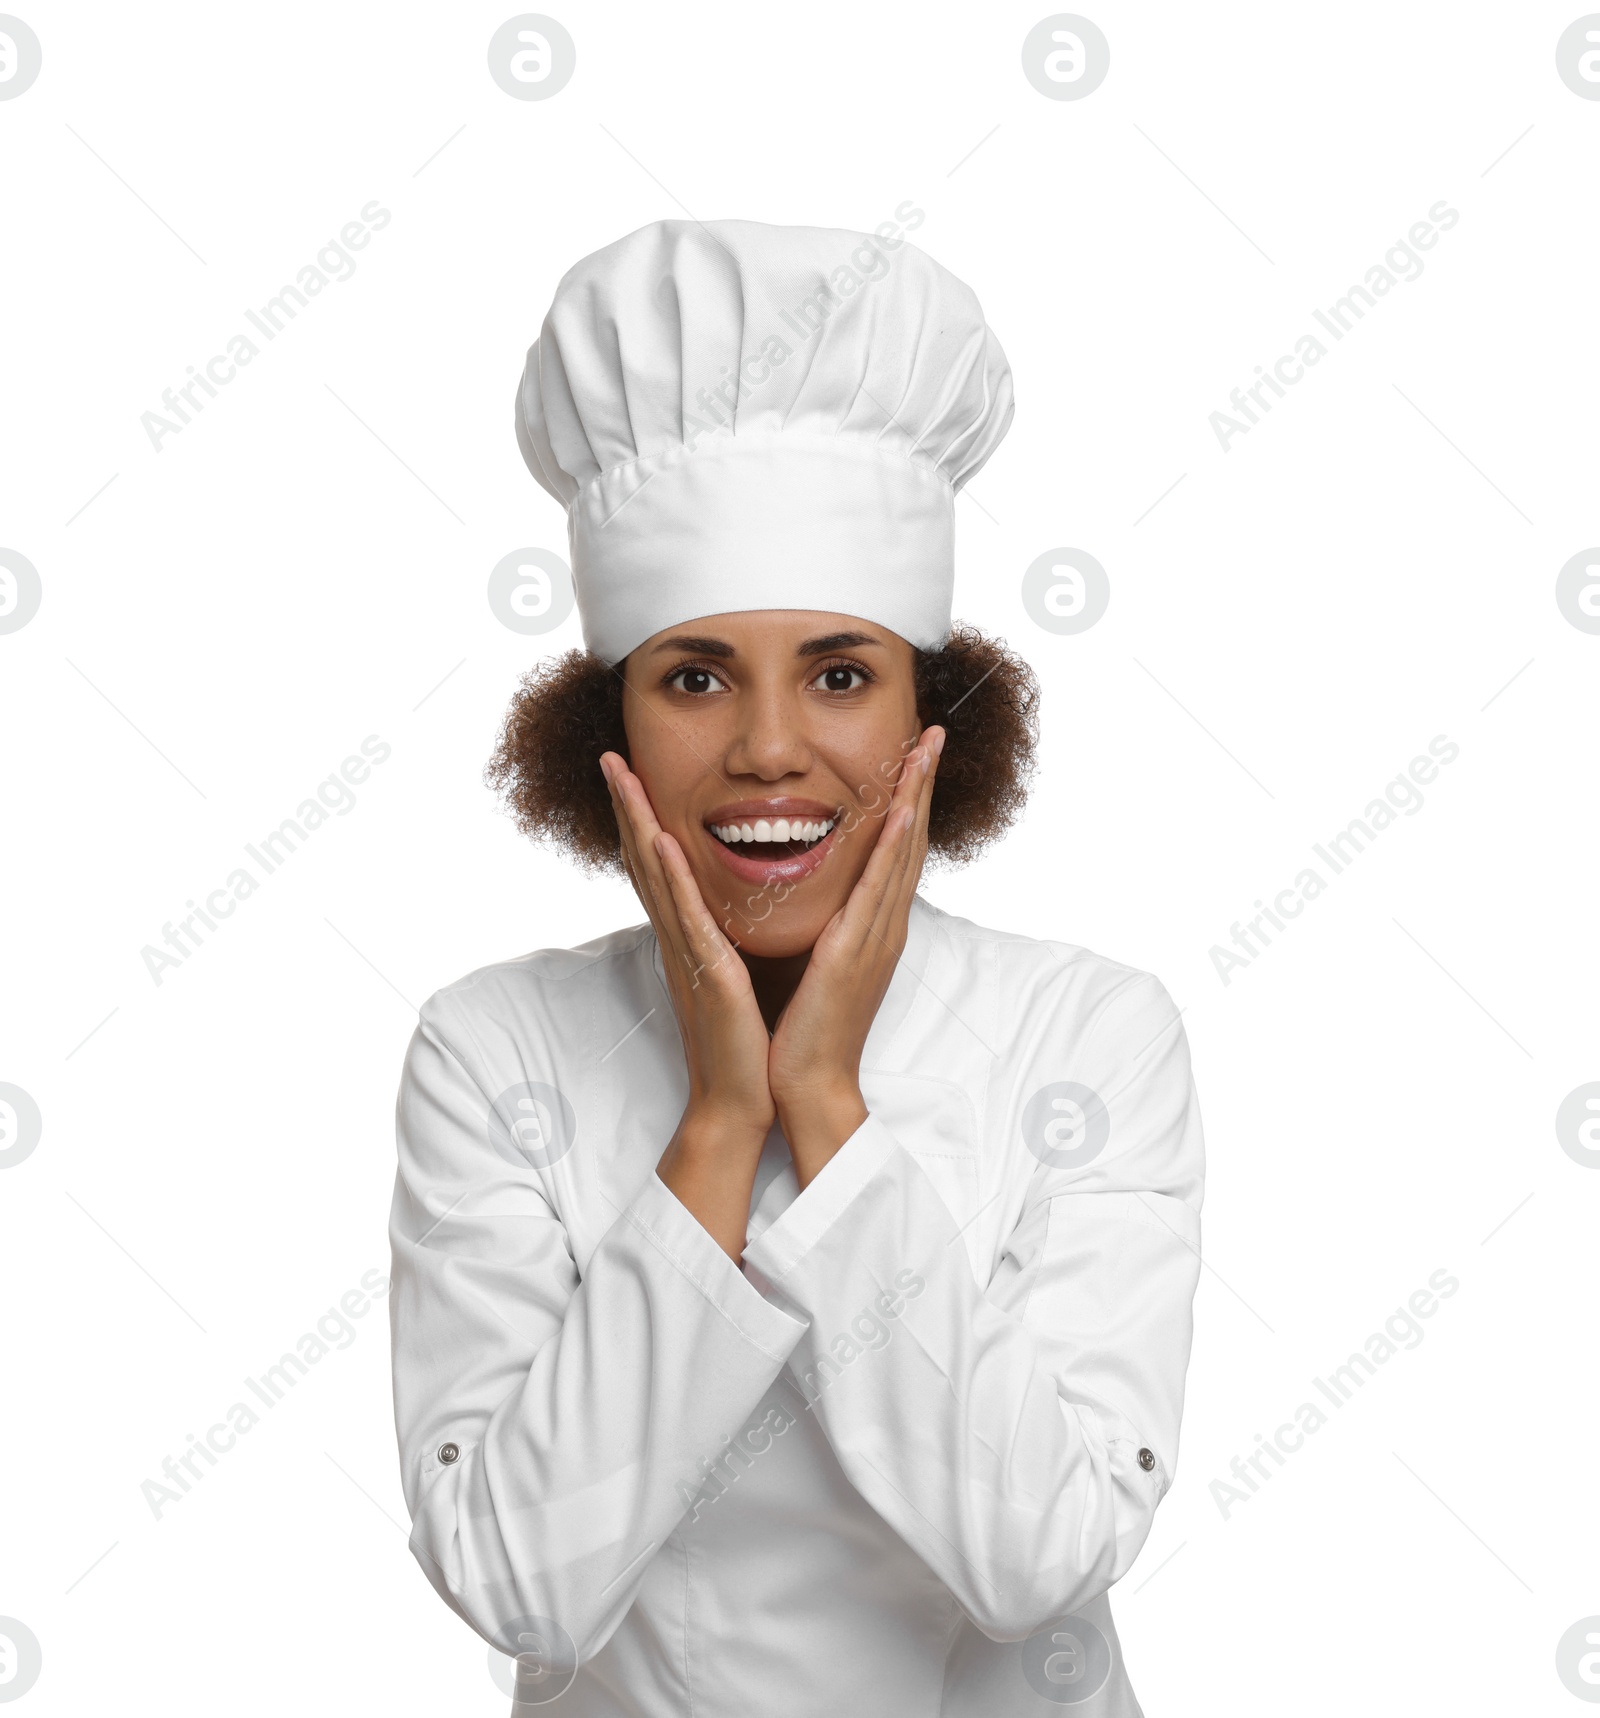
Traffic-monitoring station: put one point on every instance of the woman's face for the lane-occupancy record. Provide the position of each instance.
(788, 726)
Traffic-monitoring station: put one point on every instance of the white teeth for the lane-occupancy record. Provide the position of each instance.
(781, 829)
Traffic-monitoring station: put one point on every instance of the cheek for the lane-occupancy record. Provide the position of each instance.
(669, 800)
(668, 768)
(876, 773)
(827, 889)
(868, 757)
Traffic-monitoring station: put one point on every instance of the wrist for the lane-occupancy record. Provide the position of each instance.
(832, 1092)
(817, 1120)
(711, 1132)
(709, 1166)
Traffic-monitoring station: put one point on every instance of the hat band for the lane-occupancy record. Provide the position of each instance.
(772, 520)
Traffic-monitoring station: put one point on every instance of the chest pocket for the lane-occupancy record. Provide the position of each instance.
(935, 1121)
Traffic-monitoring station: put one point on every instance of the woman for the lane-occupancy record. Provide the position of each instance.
(791, 1294)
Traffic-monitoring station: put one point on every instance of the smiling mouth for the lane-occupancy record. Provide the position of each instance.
(773, 838)
(771, 848)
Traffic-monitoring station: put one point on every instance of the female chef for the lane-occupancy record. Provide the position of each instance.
(792, 1294)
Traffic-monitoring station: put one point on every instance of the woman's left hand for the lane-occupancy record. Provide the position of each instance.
(814, 1064)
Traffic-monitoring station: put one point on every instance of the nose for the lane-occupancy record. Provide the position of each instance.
(769, 740)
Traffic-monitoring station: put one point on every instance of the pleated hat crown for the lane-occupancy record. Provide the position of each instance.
(741, 416)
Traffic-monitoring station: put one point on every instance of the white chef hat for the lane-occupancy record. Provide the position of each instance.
(743, 416)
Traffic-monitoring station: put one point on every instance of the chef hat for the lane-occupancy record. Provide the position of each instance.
(743, 416)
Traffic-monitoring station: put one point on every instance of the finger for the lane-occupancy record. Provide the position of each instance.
(671, 928)
(857, 921)
(895, 901)
(613, 767)
(610, 763)
(638, 827)
(933, 742)
(912, 788)
(858, 918)
(893, 905)
(933, 739)
(914, 791)
(646, 827)
(635, 815)
(907, 788)
(707, 947)
(915, 773)
(895, 791)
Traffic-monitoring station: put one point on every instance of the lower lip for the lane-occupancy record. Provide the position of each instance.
(790, 870)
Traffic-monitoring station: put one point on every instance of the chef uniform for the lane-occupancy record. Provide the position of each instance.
(892, 1465)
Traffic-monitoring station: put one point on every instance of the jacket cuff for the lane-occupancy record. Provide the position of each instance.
(678, 1235)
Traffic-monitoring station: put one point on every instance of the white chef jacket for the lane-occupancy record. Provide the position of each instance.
(892, 1465)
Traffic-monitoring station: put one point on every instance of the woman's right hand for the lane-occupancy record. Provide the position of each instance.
(725, 1040)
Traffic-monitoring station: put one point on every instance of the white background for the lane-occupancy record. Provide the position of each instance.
(304, 565)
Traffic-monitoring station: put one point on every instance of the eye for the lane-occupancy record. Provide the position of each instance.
(694, 680)
(842, 677)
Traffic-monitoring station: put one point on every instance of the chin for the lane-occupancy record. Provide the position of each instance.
(790, 928)
(772, 940)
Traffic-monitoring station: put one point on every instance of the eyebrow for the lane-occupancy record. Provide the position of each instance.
(808, 647)
(835, 641)
(695, 646)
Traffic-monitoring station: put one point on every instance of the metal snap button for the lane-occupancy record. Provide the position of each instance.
(449, 1452)
(1147, 1459)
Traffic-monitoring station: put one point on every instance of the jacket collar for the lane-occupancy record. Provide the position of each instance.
(907, 984)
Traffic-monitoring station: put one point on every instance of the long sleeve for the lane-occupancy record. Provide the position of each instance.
(552, 1422)
(1019, 1434)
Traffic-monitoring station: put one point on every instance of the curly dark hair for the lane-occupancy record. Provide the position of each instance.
(568, 710)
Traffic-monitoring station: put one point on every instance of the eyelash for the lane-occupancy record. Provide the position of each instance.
(850, 663)
(846, 662)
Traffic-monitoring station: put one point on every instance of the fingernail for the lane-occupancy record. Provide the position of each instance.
(605, 766)
(938, 743)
